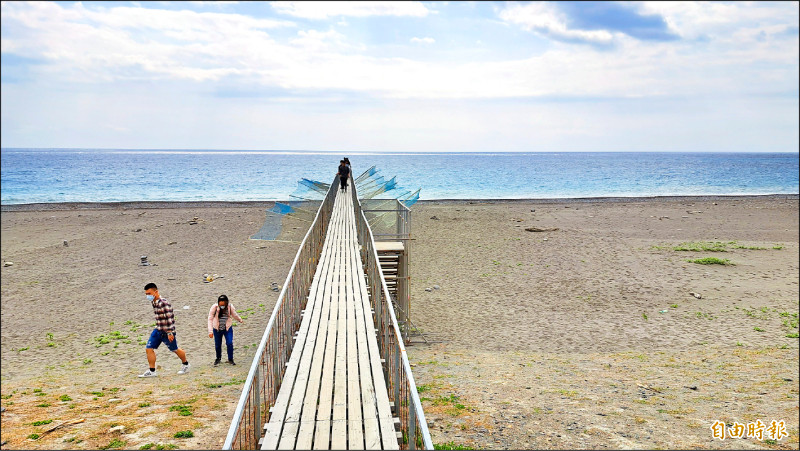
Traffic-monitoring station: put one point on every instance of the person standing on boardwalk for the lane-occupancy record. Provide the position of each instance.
(344, 173)
(164, 331)
(220, 319)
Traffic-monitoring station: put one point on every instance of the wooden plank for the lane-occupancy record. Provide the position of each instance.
(278, 411)
(355, 423)
(322, 435)
(289, 435)
(339, 434)
(324, 407)
(389, 246)
(386, 424)
(336, 229)
(372, 437)
(273, 431)
(305, 435)
(340, 376)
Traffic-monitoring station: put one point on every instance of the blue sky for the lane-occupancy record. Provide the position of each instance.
(402, 76)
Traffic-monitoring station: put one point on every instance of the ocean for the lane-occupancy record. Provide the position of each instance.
(109, 175)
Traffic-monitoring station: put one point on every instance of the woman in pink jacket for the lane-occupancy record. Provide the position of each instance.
(220, 318)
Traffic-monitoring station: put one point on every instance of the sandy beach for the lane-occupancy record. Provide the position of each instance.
(595, 331)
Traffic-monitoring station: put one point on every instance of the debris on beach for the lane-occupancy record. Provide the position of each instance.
(66, 244)
(697, 295)
(186, 307)
(144, 261)
(275, 287)
(8, 264)
(194, 220)
(171, 243)
(68, 423)
(436, 287)
(429, 289)
(541, 229)
(434, 218)
(208, 278)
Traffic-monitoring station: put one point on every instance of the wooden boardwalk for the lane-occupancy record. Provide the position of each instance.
(333, 394)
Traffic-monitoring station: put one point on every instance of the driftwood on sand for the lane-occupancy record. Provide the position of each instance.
(540, 229)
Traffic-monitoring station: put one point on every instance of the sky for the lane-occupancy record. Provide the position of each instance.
(401, 76)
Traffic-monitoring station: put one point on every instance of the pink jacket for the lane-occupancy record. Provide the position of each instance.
(213, 317)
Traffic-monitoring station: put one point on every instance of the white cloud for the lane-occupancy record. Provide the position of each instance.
(425, 40)
(546, 19)
(326, 9)
(86, 45)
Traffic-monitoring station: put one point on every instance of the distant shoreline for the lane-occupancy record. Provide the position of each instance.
(66, 206)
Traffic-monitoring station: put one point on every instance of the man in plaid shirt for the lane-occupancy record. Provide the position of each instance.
(164, 331)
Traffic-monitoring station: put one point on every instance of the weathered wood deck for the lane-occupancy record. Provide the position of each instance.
(333, 394)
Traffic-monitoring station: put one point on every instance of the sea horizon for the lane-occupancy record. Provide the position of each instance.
(69, 175)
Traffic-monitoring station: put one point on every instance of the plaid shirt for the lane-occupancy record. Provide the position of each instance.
(165, 319)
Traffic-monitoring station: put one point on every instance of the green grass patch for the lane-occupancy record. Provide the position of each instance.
(711, 261)
(41, 422)
(424, 387)
(64, 398)
(114, 444)
(184, 434)
(182, 409)
(44, 404)
(703, 246)
(758, 329)
(22, 349)
(233, 381)
(792, 335)
(450, 445)
(144, 404)
(33, 436)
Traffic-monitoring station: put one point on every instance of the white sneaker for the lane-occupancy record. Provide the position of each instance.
(184, 369)
(148, 373)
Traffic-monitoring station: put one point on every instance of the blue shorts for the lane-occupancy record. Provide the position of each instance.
(157, 337)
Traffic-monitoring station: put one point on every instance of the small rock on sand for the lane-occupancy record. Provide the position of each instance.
(541, 229)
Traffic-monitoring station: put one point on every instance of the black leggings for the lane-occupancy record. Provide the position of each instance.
(343, 182)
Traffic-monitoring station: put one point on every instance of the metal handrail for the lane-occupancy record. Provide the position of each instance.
(397, 370)
(266, 372)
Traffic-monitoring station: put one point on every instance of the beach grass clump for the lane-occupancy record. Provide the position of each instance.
(184, 434)
(233, 381)
(41, 422)
(114, 444)
(64, 398)
(703, 246)
(712, 261)
(450, 445)
(158, 446)
(183, 410)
